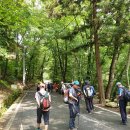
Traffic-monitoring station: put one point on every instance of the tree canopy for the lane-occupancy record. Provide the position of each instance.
(66, 40)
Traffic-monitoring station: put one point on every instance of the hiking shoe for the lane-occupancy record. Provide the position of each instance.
(74, 129)
(38, 129)
(78, 114)
(124, 123)
(89, 112)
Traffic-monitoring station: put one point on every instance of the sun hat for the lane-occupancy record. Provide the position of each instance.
(118, 83)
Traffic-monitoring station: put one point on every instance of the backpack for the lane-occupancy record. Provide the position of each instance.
(44, 100)
(126, 95)
(66, 96)
(88, 92)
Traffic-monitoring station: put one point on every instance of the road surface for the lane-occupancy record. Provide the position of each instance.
(22, 116)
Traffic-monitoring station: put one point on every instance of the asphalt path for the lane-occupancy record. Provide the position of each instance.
(22, 116)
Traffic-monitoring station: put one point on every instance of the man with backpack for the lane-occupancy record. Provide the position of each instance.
(122, 102)
(74, 100)
(89, 93)
(43, 100)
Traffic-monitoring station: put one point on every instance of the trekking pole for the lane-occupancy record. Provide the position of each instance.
(78, 121)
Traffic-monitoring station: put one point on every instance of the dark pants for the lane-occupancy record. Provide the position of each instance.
(45, 115)
(122, 105)
(89, 104)
(74, 109)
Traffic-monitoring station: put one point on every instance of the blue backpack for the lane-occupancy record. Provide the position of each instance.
(126, 95)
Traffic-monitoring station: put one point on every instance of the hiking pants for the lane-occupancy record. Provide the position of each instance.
(122, 105)
(44, 114)
(89, 104)
(72, 116)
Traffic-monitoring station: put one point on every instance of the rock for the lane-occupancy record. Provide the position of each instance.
(107, 100)
(115, 100)
(128, 109)
(111, 104)
(13, 86)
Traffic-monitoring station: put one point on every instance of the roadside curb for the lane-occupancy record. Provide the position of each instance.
(110, 111)
(13, 108)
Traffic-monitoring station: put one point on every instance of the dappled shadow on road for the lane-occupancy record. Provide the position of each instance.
(25, 118)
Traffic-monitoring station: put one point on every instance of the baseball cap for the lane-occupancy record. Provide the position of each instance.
(87, 82)
(76, 82)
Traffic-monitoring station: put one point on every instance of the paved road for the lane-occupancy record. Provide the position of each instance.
(22, 116)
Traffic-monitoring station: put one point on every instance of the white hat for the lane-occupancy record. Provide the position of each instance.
(118, 83)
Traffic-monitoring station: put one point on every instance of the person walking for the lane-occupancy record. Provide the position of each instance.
(38, 86)
(40, 112)
(74, 101)
(89, 93)
(122, 103)
(63, 87)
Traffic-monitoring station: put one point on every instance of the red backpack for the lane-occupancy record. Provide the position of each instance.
(44, 100)
(66, 96)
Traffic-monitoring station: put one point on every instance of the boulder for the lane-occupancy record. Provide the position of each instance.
(111, 104)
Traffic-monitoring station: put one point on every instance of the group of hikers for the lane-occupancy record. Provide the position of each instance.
(72, 95)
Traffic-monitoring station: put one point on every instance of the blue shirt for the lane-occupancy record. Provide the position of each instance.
(121, 92)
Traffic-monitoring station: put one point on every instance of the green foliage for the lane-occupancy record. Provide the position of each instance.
(4, 84)
(11, 98)
(55, 34)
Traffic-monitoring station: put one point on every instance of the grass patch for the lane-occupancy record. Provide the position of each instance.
(9, 101)
(4, 85)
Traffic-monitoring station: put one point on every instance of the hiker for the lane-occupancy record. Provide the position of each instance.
(89, 93)
(122, 103)
(38, 86)
(40, 112)
(74, 101)
(63, 87)
(49, 87)
(56, 87)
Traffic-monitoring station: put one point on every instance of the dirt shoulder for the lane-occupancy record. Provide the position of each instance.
(114, 109)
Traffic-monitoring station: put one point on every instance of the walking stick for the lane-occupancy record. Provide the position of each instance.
(78, 121)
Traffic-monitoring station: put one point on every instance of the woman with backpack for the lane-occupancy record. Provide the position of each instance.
(43, 100)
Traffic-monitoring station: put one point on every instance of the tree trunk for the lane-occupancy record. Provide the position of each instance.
(24, 66)
(118, 78)
(29, 70)
(127, 68)
(117, 45)
(17, 58)
(62, 61)
(112, 72)
(97, 55)
(90, 63)
(5, 66)
(65, 63)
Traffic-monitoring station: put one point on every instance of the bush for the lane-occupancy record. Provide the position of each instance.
(11, 98)
(4, 85)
